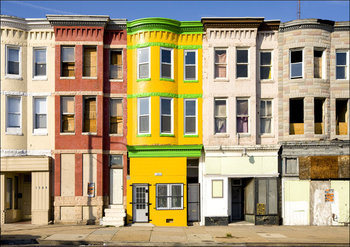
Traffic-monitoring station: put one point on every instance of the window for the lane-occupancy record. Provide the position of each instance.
(318, 63)
(116, 64)
(242, 63)
(342, 116)
(190, 57)
(220, 115)
(39, 62)
(166, 115)
(169, 196)
(143, 63)
(144, 116)
(13, 61)
(40, 115)
(291, 166)
(242, 115)
(116, 116)
(190, 116)
(265, 65)
(116, 160)
(296, 64)
(13, 114)
(217, 187)
(166, 67)
(318, 116)
(296, 116)
(67, 114)
(265, 116)
(67, 62)
(89, 114)
(342, 61)
(220, 63)
(267, 196)
(90, 61)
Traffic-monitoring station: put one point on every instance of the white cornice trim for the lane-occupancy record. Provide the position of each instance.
(25, 152)
(16, 93)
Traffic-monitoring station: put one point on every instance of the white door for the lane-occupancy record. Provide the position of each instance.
(116, 186)
(140, 203)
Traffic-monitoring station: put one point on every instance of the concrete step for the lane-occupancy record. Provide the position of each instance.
(121, 206)
(120, 215)
(114, 210)
(112, 223)
(113, 218)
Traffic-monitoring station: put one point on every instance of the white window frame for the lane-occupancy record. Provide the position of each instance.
(171, 64)
(347, 70)
(35, 130)
(40, 77)
(196, 64)
(266, 117)
(149, 62)
(247, 63)
(219, 133)
(302, 63)
(221, 49)
(271, 65)
(169, 197)
(196, 116)
(171, 116)
(237, 116)
(14, 130)
(149, 116)
(109, 64)
(14, 76)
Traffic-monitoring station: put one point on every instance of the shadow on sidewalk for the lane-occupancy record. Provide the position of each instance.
(18, 239)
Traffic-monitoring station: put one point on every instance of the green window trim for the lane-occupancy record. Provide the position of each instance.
(167, 79)
(169, 95)
(191, 136)
(143, 135)
(167, 135)
(165, 151)
(144, 79)
(191, 81)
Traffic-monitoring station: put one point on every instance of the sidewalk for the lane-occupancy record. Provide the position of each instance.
(237, 235)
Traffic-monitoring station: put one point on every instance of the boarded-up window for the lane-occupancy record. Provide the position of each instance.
(296, 116)
(89, 114)
(67, 174)
(318, 54)
(67, 62)
(318, 116)
(267, 201)
(116, 116)
(90, 62)
(342, 116)
(116, 65)
(67, 115)
(89, 171)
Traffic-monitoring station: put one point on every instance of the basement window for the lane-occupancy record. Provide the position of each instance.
(342, 116)
(296, 116)
(318, 63)
(67, 62)
(319, 116)
(89, 114)
(90, 62)
(296, 64)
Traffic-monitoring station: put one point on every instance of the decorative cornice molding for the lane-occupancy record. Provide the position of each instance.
(307, 24)
(24, 24)
(78, 20)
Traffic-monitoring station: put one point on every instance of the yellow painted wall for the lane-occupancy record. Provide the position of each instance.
(142, 170)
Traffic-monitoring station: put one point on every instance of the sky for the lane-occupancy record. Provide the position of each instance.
(181, 10)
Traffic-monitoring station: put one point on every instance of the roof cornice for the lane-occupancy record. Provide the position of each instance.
(237, 22)
(24, 24)
(326, 25)
(78, 20)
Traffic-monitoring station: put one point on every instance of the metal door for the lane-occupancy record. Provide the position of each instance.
(116, 186)
(193, 202)
(140, 203)
(236, 213)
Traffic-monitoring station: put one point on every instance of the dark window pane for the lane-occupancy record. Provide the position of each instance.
(115, 71)
(40, 121)
(166, 71)
(13, 68)
(166, 124)
(242, 107)
(176, 202)
(265, 125)
(242, 56)
(265, 73)
(341, 58)
(40, 56)
(220, 56)
(190, 125)
(220, 125)
(162, 202)
(190, 108)
(13, 55)
(265, 58)
(166, 56)
(296, 56)
(68, 54)
(40, 69)
(340, 71)
(190, 58)
(297, 70)
(166, 106)
(190, 73)
(242, 70)
(144, 124)
(242, 125)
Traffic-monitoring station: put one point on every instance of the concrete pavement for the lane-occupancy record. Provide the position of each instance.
(236, 235)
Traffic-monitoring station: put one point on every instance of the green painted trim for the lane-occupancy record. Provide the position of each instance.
(191, 136)
(166, 45)
(166, 79)
(143, 135)
(165, 151)
(191, 81)
(145, 79)
(166, 135)
(170, 95)
(164, 24)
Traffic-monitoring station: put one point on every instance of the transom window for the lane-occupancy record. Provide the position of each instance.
(166, 118)
(190, 57)
(242, 116)
(143, 63)
(169, 196)
(242, 63)
(190, 116)
(166, 68)
(144, 116)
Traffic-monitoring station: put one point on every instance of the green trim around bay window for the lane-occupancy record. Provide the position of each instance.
(166, 79)
(169, 95)
(165, 151)
(191, 81)
(144, 79)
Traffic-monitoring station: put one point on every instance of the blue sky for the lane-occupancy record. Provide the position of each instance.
(181, 10)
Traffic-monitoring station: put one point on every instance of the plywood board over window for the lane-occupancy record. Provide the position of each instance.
(89, 114)
(116, 65)
(116, 116)
(90, 62)
(67, 116)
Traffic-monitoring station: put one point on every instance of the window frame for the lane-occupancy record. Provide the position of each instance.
(67, 113)
(247, 63)
(323, 66)
(169, 196)
(237, 116)
(226, 117)
(266, 117)
(195, 65)
(110, 115)
(14, 130)
(39, 131)
(13, 76)
(138, 63)
(196, 117)
(336, 116)
(221, 49)
(109, 64)
(61, 62)
(39, 77)
(139, 116)
(270, 66)
(347, 70)
(171, 63)
(89, 77)
(171, 115)
(302, 63)
(289, 114)
(85, 97)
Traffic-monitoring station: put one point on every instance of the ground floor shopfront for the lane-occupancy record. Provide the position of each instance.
(240, 184)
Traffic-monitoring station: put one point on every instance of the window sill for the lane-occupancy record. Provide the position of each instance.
(342, 79)
(191, 81)
(320, 79)
(221, 80)
(67, 78)
(89, 78)
(14, 77)
(143, 135)
(267, 81)
(39, 78)
(169, 208)
(89, 133)
(144, 79)
(38, 132)
(67, 133)
(189, 136)
(242, 78)
(167, 79)
(298, 79)
(115, 80)
(14, 131)
(243, 135)
(221, 135)
(167, 135)
(267, 135)
(115, 134)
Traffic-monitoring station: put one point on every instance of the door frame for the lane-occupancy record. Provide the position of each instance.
(111, 187)
(134, 203)
(240, 185)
